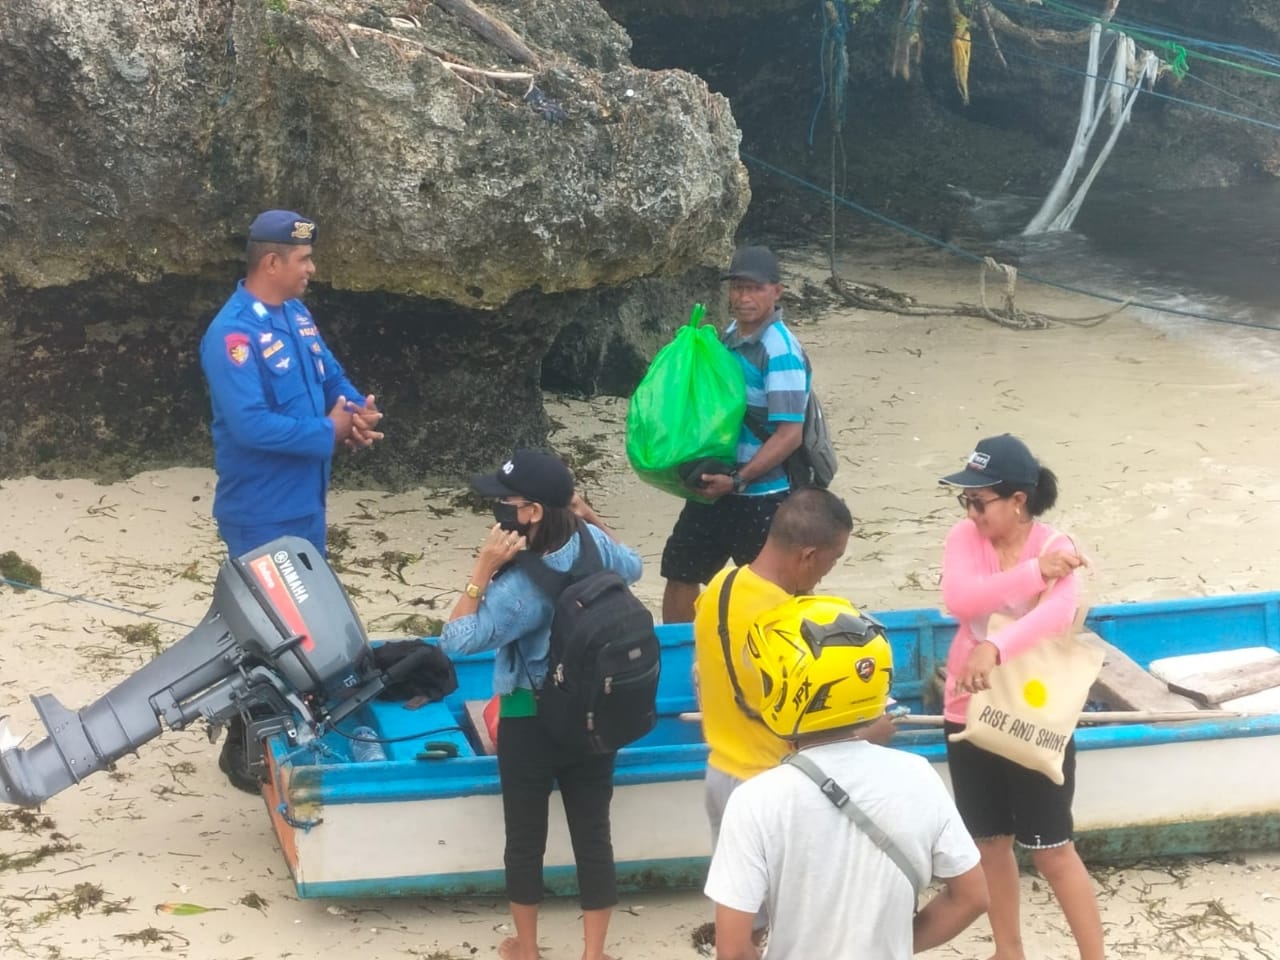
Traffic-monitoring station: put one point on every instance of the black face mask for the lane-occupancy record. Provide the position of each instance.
(507, 515)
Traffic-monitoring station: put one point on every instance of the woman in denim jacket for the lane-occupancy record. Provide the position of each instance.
(537, 510)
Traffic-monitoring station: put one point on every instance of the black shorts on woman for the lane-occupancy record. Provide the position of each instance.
(999, 798)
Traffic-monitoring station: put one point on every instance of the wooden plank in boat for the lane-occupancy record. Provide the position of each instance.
(1123, 685)
(475, 713)
(1230, 683)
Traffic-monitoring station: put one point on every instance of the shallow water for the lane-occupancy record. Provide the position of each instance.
(1212, 252)
(1215, 251)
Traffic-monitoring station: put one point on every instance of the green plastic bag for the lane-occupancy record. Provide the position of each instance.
(690, 405)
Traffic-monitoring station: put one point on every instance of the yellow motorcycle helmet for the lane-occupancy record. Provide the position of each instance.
(821, 664)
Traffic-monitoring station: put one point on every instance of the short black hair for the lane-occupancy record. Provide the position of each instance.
(811, 517)
(256, 251)
(1040, 497)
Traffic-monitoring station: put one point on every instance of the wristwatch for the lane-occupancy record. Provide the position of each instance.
(473, 591)
(739, 484)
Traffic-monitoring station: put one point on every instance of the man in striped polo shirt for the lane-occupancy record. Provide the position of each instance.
(736, 522)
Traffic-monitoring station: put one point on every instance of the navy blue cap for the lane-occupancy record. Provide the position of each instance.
(995, 460)
(283, 226)
(541, 477)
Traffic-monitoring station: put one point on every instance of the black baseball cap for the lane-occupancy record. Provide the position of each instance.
(541, 477)
(995, 460)
(757, 264)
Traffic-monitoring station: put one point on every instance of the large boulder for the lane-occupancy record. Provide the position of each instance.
(471, 201)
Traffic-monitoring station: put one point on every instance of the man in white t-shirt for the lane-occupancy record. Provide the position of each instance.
(831, 892)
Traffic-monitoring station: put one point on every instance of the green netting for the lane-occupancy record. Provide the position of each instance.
(689, 406)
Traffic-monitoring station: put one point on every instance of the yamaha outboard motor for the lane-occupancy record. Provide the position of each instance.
(281, 639)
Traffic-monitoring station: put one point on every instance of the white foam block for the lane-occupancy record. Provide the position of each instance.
(1178, 669)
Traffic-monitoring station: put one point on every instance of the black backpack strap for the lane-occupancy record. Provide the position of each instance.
(725, 589)
(753, 425)
(589, 560)
(553, 582)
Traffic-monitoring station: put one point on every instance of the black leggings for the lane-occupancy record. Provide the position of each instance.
(529, 762)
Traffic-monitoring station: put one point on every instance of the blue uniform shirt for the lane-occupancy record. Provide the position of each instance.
(272, 381)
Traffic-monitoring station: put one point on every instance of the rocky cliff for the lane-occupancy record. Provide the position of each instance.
(474, 198)
(906, 140)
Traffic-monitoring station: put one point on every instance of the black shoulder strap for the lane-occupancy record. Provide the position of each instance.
(725, 589)
(753, 425)
(553, 582)
(757, 428)
(589, 559)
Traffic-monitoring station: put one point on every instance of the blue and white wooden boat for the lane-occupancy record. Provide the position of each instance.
(434, 826)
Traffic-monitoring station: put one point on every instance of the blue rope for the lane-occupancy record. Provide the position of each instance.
(1235, 96)
(969, 255)
(1105, 79)
(1261, 56)
(19, 585)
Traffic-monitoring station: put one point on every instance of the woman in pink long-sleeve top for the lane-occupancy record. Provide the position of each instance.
(994, 562)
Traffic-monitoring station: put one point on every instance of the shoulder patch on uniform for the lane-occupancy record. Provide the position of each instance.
(237, 347)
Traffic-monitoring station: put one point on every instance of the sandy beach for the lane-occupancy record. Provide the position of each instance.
(1160, 433)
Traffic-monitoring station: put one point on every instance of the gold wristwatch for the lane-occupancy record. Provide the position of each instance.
(473, 591)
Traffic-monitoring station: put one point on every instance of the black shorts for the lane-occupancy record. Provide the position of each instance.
(998, 798)
(708, 534)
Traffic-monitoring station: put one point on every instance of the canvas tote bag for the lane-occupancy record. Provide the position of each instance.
(1030, 709)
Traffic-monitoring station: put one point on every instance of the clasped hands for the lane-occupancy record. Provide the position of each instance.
(354, 425)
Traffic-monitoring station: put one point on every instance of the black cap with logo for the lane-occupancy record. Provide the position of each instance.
(540, 477)
(1002, 459)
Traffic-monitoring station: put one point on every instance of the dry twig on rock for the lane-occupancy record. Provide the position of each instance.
(491, 29)
(1037, 35)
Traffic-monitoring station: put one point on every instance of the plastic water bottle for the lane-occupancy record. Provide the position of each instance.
(365, 746)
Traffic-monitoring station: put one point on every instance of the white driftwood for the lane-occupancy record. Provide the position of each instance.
(1125, 83)
(1085, 128)
(1067, 217)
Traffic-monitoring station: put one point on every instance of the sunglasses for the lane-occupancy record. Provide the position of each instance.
(977, 503)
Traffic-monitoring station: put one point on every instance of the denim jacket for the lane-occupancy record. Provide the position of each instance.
(514, 611)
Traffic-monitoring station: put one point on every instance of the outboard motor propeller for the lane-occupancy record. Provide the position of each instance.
(281, 638)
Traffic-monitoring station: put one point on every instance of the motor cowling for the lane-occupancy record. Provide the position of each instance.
(281, 639)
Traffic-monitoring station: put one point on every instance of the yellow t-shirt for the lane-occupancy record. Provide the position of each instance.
(741, 746)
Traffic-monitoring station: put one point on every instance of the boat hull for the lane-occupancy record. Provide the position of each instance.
(414, 826)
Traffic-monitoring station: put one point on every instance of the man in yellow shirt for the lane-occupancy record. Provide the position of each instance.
(808, 535)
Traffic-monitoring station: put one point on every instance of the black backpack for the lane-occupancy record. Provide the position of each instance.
(601, 688)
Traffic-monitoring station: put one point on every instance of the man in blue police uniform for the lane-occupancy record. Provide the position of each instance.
(281, 401)
(281, 405)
